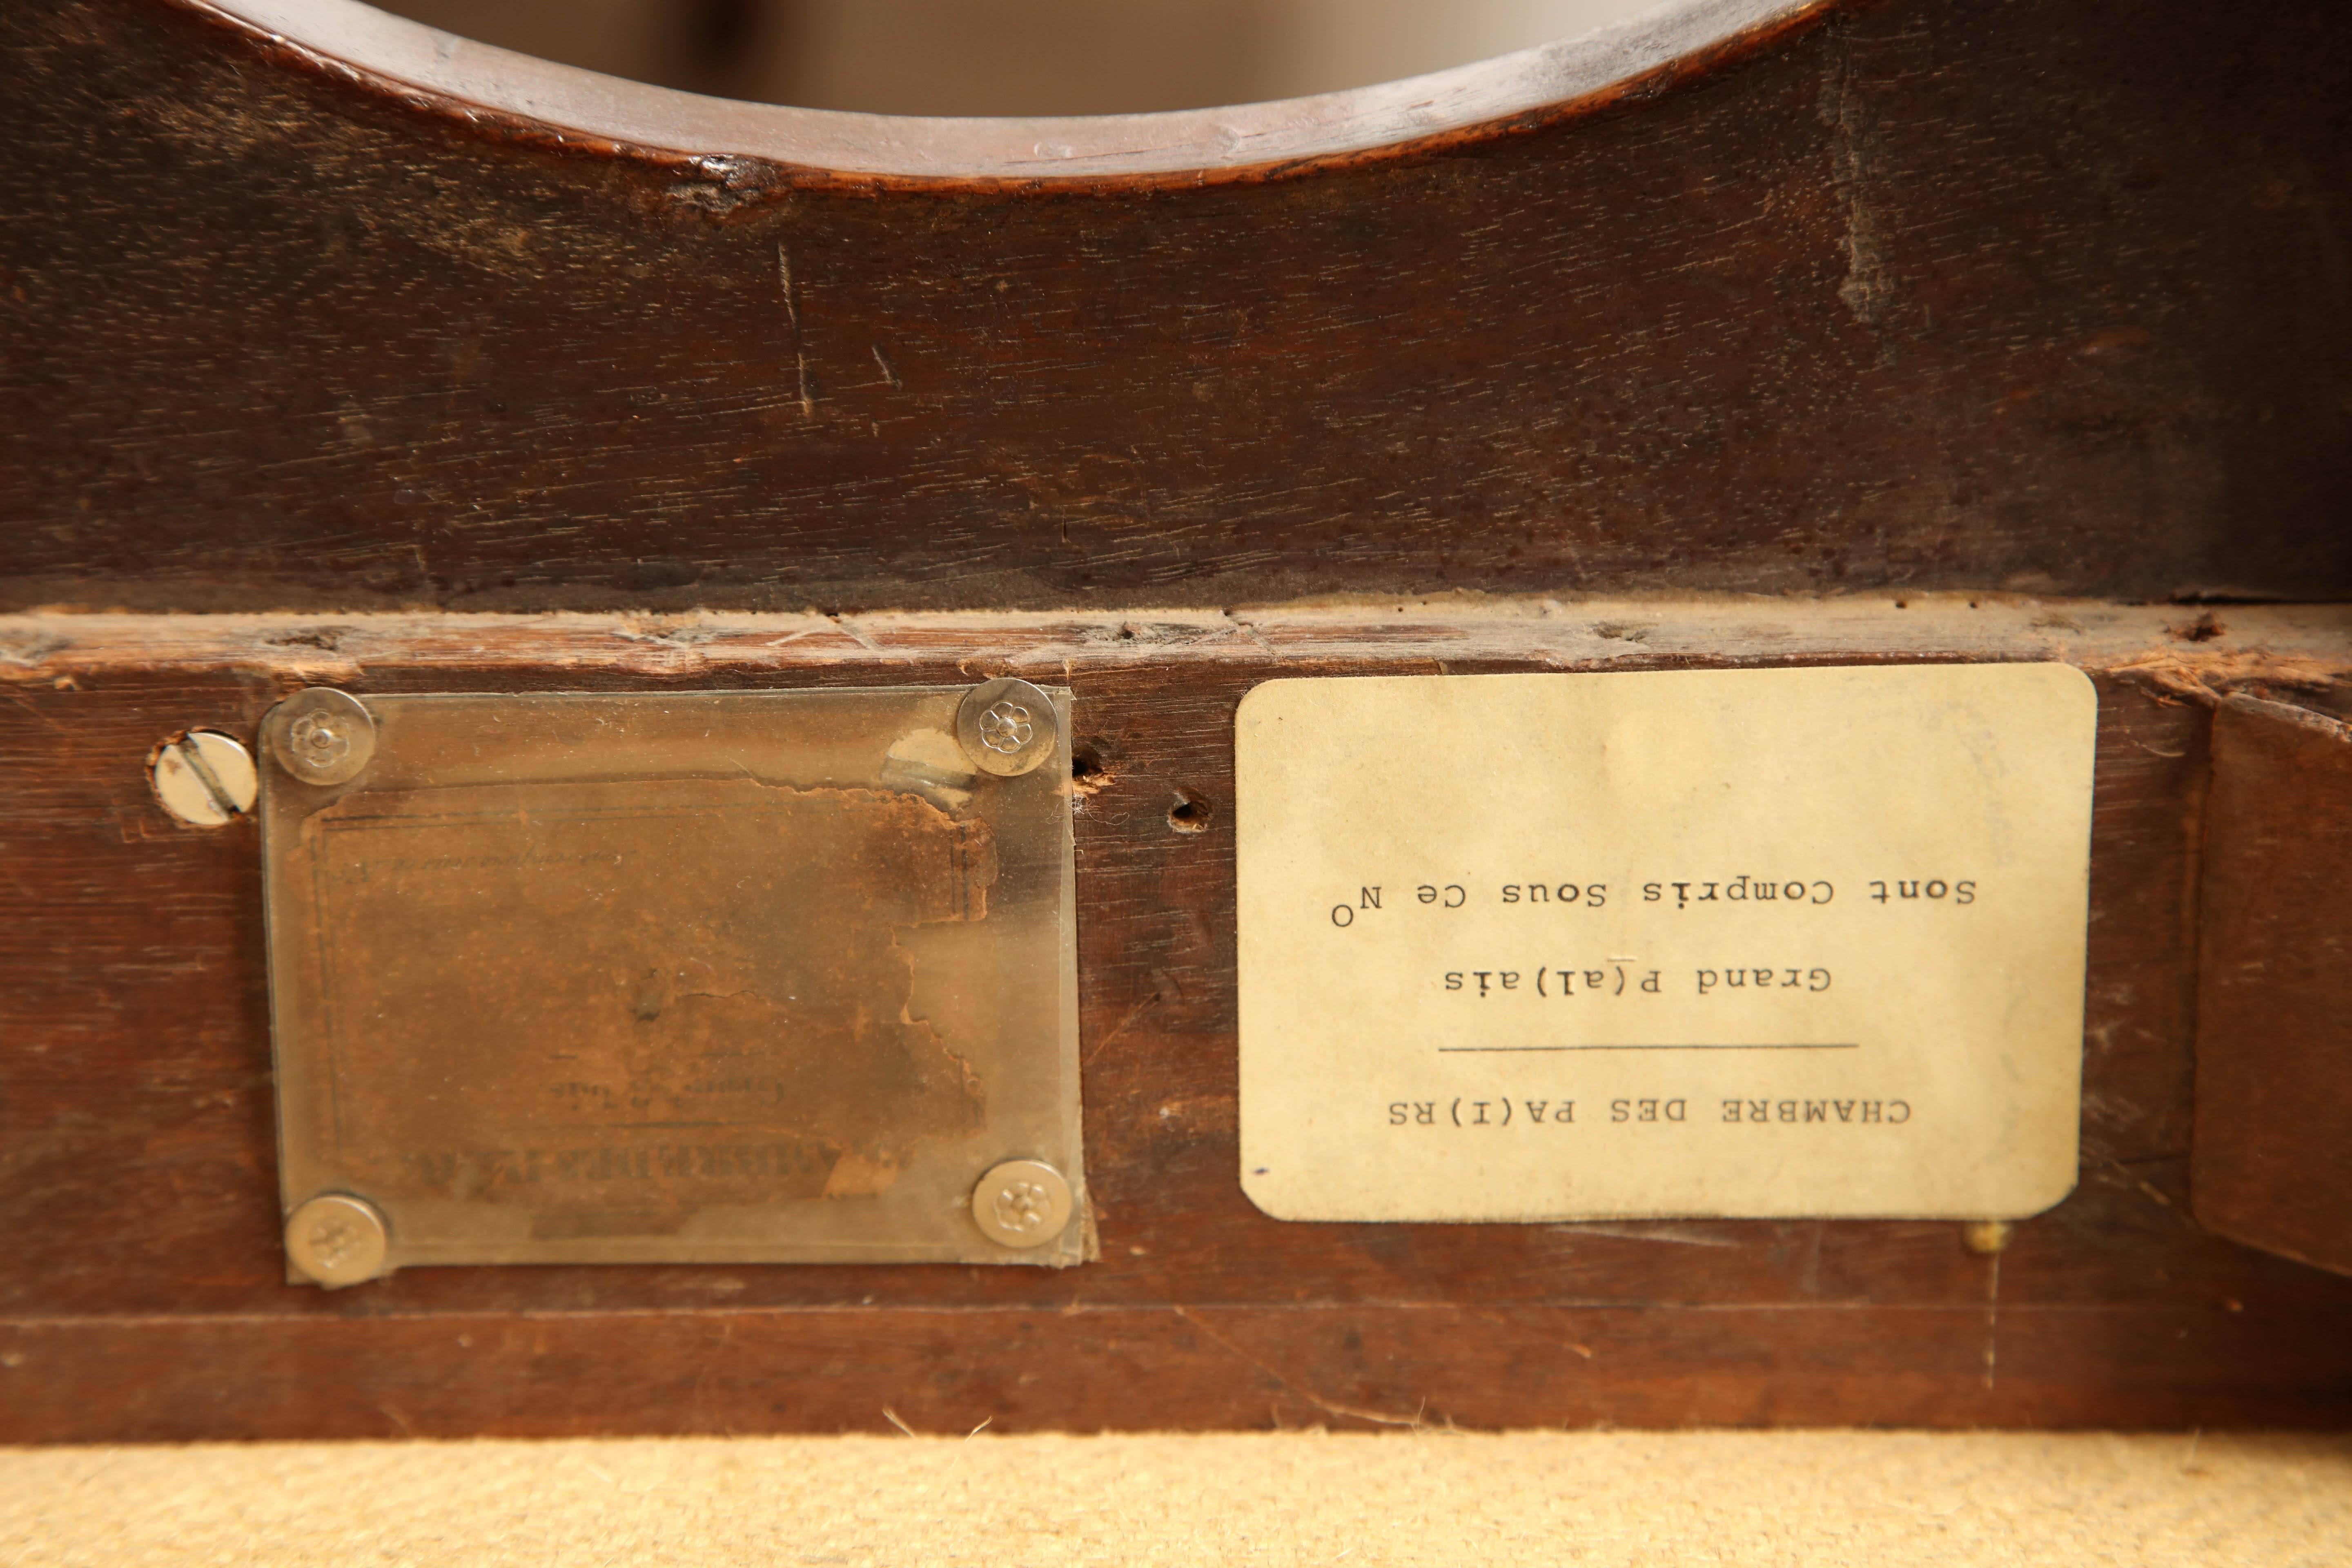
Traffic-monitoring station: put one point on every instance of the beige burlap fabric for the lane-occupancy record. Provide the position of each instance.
(1823, 1499)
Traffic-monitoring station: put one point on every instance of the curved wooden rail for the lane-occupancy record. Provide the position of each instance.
(312, 309)
(1676, 38)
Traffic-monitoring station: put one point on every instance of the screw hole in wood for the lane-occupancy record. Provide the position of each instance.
(1191, 813)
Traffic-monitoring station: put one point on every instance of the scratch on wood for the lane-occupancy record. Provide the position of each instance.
(1992, 1323)
(1330, 1407)
(718, 1350)
(1869, 286)
(853, 634)
(793, 315)
(1685, 1236)
(1251, 632)
(1121, 1027)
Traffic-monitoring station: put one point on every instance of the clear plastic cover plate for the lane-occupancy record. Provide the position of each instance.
(715, 976)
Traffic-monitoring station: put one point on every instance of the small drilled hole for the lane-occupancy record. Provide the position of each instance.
(1190, 814)
(1091, 771)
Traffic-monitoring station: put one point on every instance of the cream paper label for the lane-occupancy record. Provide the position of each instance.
(1786, 942)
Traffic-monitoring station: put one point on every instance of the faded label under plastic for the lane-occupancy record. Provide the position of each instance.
(1790, 942)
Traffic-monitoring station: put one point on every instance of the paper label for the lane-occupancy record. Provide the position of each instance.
(1788, 943)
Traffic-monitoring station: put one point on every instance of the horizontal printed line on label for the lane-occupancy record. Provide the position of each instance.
(1803, 1045)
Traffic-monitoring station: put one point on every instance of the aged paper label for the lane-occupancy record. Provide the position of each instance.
(1789, 942)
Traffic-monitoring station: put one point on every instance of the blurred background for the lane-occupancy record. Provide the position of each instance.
(1014, 56)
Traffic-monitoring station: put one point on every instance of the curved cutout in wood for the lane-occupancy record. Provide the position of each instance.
(1487, 97)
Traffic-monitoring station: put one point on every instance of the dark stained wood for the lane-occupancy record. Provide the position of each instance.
(1956, 293)
(142, 1290)
(837, 1368)
(2272, 1162)
(526, 96)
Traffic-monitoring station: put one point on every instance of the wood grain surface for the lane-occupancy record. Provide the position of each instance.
(2002, 296)
(2044, 295)
(1634, 57)
(142, 1291)
(2273, 1166)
